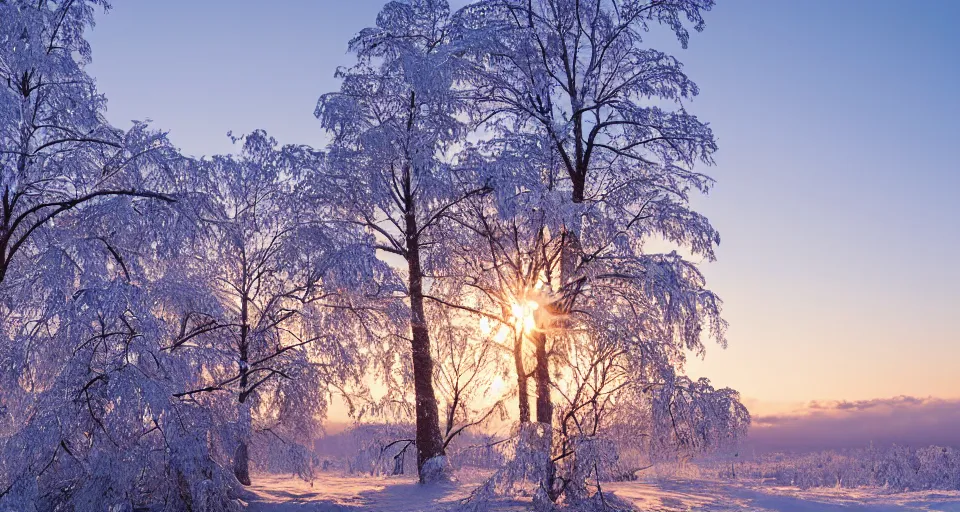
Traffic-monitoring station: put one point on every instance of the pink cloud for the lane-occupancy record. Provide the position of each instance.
(850, 424)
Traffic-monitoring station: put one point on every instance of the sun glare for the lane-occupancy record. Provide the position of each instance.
(497, 386)
(485, 327)
(523, 315)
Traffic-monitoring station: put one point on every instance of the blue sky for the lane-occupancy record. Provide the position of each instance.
(837, 180)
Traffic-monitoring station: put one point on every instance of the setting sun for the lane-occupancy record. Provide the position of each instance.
(523, 315)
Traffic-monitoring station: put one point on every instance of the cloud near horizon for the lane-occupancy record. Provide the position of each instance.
(842, 424)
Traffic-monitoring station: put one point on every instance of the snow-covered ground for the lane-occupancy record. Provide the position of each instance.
(675, 495)
(333, 493)
(329, 492)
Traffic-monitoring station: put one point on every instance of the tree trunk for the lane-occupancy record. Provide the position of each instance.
(429, 440)
(579, 188)
(541, 375)
(241, 463)
(241, 459)
(523, 394)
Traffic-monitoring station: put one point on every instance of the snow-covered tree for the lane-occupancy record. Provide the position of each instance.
(87, 418)
(577, 72)
(291, 288)
(394, 123)
(57, 153)
(583, 141)
(495, 266)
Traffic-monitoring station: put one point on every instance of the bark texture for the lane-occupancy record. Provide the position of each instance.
(429, 439)
(523, 394)
(241, 458)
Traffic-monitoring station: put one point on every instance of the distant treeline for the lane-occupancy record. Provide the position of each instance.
(898, 468)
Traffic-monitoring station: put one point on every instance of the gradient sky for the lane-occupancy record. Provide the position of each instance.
(838, 180)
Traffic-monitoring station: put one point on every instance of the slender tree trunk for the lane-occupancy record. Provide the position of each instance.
(241, 458)
(541, 375)
(523, 394)
(429, 439)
